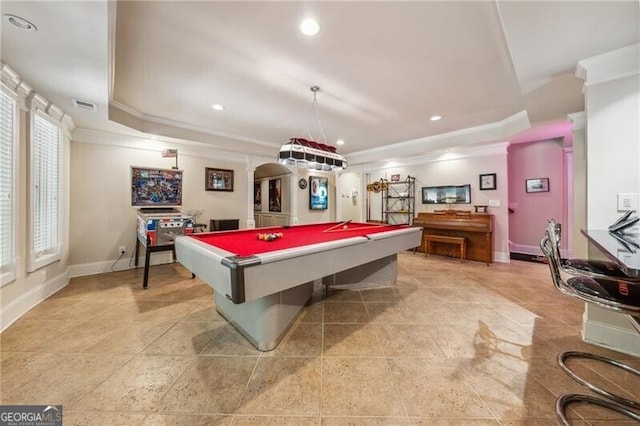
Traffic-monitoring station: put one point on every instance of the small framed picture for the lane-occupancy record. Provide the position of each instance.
(538, 185)
(481, 209)
(257, 196)
(487, 181)
(318, 193)
(275, 195)
(395, 178)
(218, 179)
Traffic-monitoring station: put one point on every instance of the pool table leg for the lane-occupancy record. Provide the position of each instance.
(265, 321)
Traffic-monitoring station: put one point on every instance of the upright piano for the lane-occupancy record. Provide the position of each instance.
(476, 228)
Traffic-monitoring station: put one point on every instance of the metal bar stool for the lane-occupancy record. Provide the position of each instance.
(592, 268)
(611, 293)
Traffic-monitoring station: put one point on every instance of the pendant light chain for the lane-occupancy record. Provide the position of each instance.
(315, 90)
(307, 153)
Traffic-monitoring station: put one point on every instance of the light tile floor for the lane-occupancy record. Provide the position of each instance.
(453, 343)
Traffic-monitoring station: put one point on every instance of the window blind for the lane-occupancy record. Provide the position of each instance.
(45, 185)
(7, 178)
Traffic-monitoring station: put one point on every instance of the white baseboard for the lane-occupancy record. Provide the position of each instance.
(93, 268)
(616, 338)
(22, 304)
(532, 250)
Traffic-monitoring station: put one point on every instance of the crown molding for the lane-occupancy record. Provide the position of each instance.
(188, 148)
(28, 98)
(578, 119)
(130, 117)
(473, 136)
(499, 148)
(610, 66)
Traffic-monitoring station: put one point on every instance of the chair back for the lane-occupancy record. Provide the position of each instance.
(598, 291)
(549, 248)
(554, 229)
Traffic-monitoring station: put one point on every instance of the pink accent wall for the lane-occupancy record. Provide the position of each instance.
(527, 222)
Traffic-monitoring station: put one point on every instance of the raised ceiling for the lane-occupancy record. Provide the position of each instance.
(383, 68)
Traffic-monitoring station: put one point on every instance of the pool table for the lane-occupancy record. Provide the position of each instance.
(260, 286)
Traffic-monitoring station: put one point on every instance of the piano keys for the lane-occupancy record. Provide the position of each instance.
(476, 228)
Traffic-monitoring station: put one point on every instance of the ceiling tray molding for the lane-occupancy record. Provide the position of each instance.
(488, 133)
(118, 112)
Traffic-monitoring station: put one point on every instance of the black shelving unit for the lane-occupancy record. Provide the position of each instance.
(399, 201)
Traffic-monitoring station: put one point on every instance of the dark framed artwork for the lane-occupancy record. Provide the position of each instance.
(218, 179)
(275, 195)
(487, 181)
(155, 187)
(449, 194)
(537, 185)
(318, 193)
(257, 196)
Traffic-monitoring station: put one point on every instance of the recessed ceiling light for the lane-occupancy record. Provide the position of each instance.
(339, 142)
(309, 27)
(19, 22)
(217, 107)
(435, 117)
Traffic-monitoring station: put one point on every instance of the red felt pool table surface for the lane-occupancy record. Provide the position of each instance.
(246, 243)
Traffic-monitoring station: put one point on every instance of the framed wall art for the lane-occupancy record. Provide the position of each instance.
(218, 179)
(318, 193)
(538, 185)
(450, 194)
(257, 196)
(487, 181)
(275, 195)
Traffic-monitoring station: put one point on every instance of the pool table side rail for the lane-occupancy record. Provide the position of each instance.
(279, 275)
(284, 269)
(393, 233)
(276, 256)
(205, 261)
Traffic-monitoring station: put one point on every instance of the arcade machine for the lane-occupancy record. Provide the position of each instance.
(157, 193)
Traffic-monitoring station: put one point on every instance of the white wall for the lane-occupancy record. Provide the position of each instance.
(458, 167)
(579, 187)
(613, 147)
(101, 214)
(612, 101)
(30, 288)
(350, 207)
(306, 215)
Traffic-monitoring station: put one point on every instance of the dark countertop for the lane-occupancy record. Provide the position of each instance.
(623, 249)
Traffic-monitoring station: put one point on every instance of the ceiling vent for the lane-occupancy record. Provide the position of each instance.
(85, 105)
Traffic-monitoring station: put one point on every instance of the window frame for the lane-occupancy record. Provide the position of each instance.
(8, 271)
(39, 260)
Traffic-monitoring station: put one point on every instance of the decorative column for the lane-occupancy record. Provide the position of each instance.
(338, 196)
(293, 194)
(250, 168)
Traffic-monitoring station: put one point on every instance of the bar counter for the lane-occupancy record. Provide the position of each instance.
(623, 249)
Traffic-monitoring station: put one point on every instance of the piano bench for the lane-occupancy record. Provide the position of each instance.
(428, 238)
